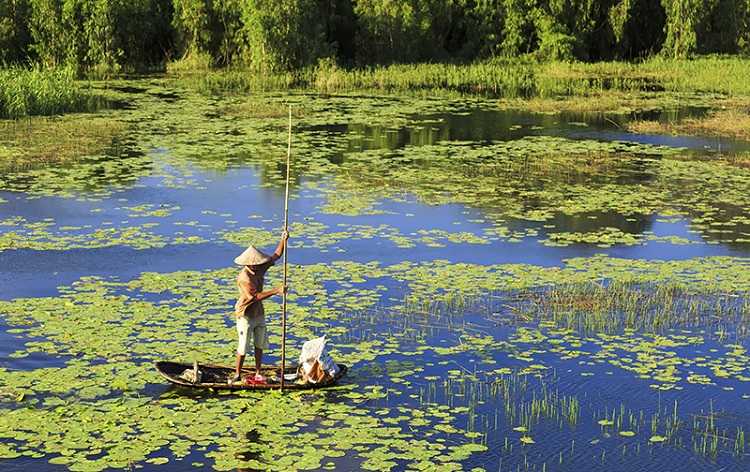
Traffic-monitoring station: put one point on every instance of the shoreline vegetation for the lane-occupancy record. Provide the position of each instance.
(604, 56)
(546, 87)
(508, 78)
(508, 49)
(45, 118)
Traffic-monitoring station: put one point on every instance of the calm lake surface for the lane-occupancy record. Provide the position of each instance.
(512, 291)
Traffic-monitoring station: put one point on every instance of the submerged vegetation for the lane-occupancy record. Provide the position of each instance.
(38, 142)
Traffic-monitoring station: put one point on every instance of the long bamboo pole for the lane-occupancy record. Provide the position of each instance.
(286, 228)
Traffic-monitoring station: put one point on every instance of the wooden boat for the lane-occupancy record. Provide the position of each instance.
(216, 377)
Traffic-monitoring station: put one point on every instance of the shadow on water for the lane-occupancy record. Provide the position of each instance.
(504, 125)
(592, 222)
(669, 115)
(250, 437)
(167, 96)
(128, 89)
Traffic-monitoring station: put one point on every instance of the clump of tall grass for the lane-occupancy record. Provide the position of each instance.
(618, 305)
(609, 307)
(499, 78)
(720, 74)
(239, 81)
(739, 159)
(504, 78)
(26, 92)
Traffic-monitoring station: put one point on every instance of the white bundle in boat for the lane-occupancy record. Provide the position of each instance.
(193, 375)
(315, 363)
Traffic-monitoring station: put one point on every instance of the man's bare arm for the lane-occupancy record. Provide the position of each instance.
(269, 293)
(255, 296)
(281, 247)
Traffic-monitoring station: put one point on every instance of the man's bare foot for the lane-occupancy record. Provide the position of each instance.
(258, 377)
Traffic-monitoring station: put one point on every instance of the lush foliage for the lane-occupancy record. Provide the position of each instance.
(107, 36)
(14, 33)
(95, 36)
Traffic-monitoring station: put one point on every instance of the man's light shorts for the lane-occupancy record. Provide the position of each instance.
(251, 330)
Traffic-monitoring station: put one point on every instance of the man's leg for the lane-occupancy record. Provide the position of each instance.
(242, 344)
(258, 359)
(238, 364)
(260, 342)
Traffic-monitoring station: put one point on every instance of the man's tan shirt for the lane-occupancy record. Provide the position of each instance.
(252, 280)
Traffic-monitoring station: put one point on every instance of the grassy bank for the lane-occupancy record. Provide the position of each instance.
(27, 92)
(240, 82)
(501, 78)
(30, 133)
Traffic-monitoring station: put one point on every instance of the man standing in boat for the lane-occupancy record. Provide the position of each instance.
(251, 323)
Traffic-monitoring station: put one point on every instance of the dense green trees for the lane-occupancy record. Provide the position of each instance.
(706, 26)
(97, 36)
(14, 31)
(265, 34)
(283, 34)
(107, 36)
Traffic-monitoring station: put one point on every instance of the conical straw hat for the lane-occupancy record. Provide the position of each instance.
(251, 257)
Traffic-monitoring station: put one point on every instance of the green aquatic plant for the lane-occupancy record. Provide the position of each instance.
(142, 328)
(618, 305)
(606, 237)
(716, 275)
(36, 236)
